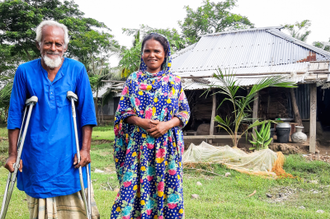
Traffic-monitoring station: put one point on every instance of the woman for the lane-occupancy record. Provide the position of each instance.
(149, 141)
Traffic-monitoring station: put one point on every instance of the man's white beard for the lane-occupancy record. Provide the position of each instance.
(52, 63)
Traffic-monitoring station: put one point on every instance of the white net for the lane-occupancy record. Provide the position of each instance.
(257, 163)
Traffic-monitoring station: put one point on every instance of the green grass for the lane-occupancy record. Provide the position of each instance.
(103, 128)
(3, 144)
(3, 131)
(219, 197)
(228, 197)
(103, 133)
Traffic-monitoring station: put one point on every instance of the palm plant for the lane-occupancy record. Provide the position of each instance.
(241, 104)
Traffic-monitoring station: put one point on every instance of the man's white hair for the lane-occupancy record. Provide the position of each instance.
(54, 24)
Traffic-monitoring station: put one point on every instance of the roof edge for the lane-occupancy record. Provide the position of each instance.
(298, 42)
(244, 30)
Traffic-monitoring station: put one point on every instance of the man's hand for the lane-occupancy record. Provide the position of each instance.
(10, 164)
(13, 138)
(85, 159)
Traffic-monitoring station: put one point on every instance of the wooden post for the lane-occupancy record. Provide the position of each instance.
(297, 117)
(214, 103)
(312, 118)
(255, 111)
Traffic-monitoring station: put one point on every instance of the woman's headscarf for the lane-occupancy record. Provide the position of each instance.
(168, 59)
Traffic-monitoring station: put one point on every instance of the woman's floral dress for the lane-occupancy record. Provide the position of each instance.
(150, 170)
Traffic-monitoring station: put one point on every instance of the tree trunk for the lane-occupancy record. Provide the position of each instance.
(297, 117)
(255, 111)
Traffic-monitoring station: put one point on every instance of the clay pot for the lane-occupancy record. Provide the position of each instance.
(299, 136)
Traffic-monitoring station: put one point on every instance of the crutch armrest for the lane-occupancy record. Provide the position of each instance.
(31, 100)
(70, 95)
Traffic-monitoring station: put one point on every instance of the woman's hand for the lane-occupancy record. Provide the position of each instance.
(162, 127)
(159, 129)
(146, 124)
(143, 123)
(154, 128)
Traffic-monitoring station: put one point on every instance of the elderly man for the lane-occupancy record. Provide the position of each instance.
(48, 172)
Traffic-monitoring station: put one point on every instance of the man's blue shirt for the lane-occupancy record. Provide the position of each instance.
(49, 147)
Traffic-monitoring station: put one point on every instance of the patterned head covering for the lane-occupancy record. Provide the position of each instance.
(168, 59)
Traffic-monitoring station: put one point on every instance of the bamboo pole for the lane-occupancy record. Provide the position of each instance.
(214, 103)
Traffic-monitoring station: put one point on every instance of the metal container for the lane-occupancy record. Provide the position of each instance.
(283, 132)
(285, 119)
(283, 125)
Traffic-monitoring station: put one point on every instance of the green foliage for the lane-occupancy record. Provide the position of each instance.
(177, 42)
(4, 101)
(323, 45)
(18, 20)
(262, 138)
(241, 104)
(5, 95)
(89, 38)
(8, 65)
(212, 18)
(299, 30)
(130, 60)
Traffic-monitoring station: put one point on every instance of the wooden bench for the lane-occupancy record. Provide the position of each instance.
(191, 137)
(190, 133)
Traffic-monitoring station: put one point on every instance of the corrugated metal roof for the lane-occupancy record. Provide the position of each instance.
(250, 51)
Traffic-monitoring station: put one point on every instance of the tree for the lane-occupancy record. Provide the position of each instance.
(89, 39)
(241, 104)
(299, 30)
(323, 45)
(212, 18)
(131, 58)
(8, 65)
(18, 20)
(100, 70)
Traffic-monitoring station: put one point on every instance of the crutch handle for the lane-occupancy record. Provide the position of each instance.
(70, 95)
(31, 100)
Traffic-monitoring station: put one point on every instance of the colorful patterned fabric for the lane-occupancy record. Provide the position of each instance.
(61, 207)
(150, 170)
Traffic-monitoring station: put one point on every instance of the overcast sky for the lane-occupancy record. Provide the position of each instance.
(118, 14)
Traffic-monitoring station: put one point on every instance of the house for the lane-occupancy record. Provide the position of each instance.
(107, 108)
(252, 54)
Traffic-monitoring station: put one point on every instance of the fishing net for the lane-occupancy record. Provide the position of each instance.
(263, 162)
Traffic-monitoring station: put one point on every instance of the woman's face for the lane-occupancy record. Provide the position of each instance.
(153, 55)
